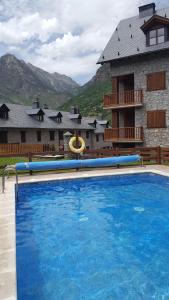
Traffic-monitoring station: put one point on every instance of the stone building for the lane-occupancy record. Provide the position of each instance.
(21, 124)
(138, 55)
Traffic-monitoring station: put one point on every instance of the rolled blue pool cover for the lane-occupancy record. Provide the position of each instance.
(77, 164)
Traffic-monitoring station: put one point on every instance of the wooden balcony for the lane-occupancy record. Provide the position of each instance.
(123, 99)
(124, 135)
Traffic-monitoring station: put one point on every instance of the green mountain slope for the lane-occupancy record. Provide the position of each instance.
(90, 97)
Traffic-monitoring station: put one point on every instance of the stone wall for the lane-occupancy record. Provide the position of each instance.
(141, 66)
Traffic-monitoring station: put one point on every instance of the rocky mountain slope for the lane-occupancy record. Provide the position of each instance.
(20, 82)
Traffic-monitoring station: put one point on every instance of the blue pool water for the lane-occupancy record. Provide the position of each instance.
(95, 238)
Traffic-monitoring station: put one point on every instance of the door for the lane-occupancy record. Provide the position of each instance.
(129, 89)
(129, 123)
(3, 137)
(115, 124)
(115, 90)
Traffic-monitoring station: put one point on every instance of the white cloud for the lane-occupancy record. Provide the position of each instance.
(17, 30)
(83, 27)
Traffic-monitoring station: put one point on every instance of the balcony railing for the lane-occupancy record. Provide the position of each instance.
(125, 134)
(123, 99)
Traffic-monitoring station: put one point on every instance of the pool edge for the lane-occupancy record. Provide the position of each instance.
(8, 225)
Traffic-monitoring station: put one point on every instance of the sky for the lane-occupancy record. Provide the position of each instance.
(64, 36)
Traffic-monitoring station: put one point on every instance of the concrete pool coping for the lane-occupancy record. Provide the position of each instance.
(7, 216)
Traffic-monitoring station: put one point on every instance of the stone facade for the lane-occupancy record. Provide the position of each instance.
(140, 66)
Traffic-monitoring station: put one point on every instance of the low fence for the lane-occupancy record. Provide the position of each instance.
(28, 151)
(24, 148)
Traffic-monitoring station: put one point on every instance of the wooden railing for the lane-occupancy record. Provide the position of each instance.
(125, 134)
(21, 148)
(123, 99)
(150, 154)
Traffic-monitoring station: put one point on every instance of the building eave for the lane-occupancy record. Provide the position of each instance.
(134, 55)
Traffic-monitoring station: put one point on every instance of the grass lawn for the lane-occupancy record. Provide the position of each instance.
(11, 160)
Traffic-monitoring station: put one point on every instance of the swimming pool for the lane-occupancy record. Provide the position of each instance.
(93, 238)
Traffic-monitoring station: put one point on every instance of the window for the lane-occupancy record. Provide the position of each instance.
(87, 134)
(58, 119)
(97, 138)
(156, 119)
(79, 120)
(156, 81)
(3, 137)
(40, 117)
(4, 111)
(156, 36)
(79, 133)
(38, 133)
(52, 135)
(95, 122)
(60, 135)
(3, 114)
(23, 136)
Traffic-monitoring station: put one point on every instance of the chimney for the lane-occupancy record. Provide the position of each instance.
(75, 110)
(147, 10)
(45, 106)
(36, 103)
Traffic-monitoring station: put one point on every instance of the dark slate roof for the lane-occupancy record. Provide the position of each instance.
(102, 122)
(74, 116)
(129, 40)
(34, 111)
(19, 118)
(53, 114)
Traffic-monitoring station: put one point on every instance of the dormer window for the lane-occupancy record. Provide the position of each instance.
(40, 117)
(156, 30)
(59, 118)
(3, 114)
(37, 114)
(93, 123)
(79, 119)
(156, 36)
(4, 110)
(55, 116)
(76, 117)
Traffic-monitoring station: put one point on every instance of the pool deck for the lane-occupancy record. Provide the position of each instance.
(7, 217)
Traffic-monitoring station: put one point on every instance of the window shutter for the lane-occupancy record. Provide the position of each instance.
(156, 119)
(156, 81)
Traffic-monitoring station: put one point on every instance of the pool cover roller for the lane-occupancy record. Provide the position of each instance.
(77, 164)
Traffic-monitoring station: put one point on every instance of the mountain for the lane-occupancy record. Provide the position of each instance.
(20, 82)
(90, 97)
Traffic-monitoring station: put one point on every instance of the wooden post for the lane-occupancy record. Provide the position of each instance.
(30, 160)
(77, 144)
(159, 155)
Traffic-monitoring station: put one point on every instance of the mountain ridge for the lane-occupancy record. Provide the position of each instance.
(20, 82)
